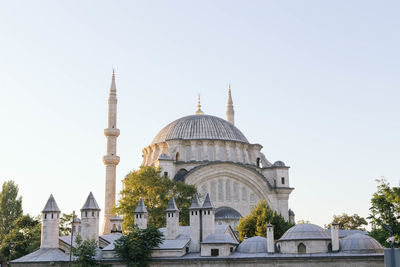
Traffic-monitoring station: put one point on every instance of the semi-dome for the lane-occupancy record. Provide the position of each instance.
(305, 231)
(197, 127)
(360, 244)
(227, 213)
(255, 244)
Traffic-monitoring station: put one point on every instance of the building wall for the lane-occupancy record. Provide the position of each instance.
(312, 246)
(224, 249)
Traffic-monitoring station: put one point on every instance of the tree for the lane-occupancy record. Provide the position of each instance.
(385, 210)
(135, 246)
(85, 252)
(25, 235)
(349, 222)
(255, 224)
(156, 190)
(65, 224)
(10, 207)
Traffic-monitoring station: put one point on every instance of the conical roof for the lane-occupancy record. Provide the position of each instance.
(90, 203)
(172, 205)
(195, 203)
(207, 203)
(51, 205)
(141, 208)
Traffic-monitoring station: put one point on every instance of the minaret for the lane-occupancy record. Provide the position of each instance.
(111, 160)
(230, 113)
(50, 224)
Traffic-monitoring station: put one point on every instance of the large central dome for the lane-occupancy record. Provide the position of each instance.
(196, 127)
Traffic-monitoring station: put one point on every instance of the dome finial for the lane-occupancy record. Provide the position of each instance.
(199, 111)
(230, 112)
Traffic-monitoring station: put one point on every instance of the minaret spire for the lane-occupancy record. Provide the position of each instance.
(199, 111)
(230, 112)
(111, 159)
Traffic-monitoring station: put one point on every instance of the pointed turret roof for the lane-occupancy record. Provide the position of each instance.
(172, 205)
(207, 203)
(90, 203)
(51, 205)
(195, 203)
(230, 102)
(141, 208)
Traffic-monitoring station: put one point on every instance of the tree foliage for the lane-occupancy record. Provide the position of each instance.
(25, 235)
(255, 224)
(10, 207)
(65, 224)
(349, 222)
(156, 190)
(385, 210)
(85, 252)
(135, 246)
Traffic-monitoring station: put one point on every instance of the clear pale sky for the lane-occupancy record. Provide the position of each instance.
(315, 82)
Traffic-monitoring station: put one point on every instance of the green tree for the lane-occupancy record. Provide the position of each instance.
(156, 190)
(65, 224)
(25, 235)
(85, 252)
(10, 207)
(135, 246)
(385, 210)
(255, 224)
(349, 222)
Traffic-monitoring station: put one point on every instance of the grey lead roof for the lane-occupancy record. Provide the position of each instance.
(44, 255)
(141, 208)
(195, 203)
(195, 127)
(218, 238)
(207, 203)
(172, 205)
(90, 203)
(360, 244)
(51, 205)
(255, 244)
(305, 231)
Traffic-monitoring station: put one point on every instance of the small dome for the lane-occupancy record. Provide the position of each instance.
(76, 220)
(255, 244)
(360, 244)
(279, 164)
(305, 231)
(227, 213)
(198, 127)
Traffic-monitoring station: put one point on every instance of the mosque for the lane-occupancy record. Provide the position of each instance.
(232, 175)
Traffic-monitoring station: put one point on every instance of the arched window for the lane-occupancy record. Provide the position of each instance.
(330, 247)
(235, 192)
(177, 157)
(213, 190)
(228, 190)
(210, 153)
(188, 153)
(301, 248)
(283, 180)
(258, 162)
(244, 194)
(220, 190)
(199, 155)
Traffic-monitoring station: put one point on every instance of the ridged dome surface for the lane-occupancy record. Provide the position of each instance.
(255, 244)
(306, 231)
(198, 127)
(360, 244)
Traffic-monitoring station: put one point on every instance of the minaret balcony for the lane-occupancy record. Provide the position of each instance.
(111, 132)
(110, 160)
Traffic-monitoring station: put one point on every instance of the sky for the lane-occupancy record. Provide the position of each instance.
(315, 82)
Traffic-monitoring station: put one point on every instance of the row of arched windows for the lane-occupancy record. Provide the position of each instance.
(221, 191)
